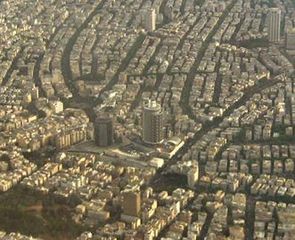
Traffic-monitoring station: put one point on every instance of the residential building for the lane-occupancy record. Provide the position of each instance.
(290, 39)
(131, 203)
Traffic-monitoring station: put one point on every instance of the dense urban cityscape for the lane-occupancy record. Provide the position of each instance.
(147, 119)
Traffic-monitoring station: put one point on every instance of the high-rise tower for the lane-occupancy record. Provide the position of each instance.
(152, 121)
(150, 20)
(274, 25)
(103, 131)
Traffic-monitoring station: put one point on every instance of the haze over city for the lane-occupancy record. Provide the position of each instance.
(147, 120)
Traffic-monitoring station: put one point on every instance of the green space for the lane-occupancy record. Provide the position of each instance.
(35, 214)
(170, 182)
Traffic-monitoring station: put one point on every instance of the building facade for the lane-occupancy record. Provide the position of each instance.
(193, 177)
(131, 203)
(152, 121)
(290, 39)
(103, 131)
(150, 21)
(274, 25)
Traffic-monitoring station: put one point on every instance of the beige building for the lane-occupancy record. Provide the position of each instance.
(290, 39)
(193, 176)
(131, 203)
(150, 21)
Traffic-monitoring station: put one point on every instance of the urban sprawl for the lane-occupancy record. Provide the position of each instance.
(148, 119)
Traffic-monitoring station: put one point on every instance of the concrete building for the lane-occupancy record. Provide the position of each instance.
(103, 131)
(131, 203)
(290, 39)
(193, 176)
(57, 106)
(152, 123)
(150, 20)
(274, 25)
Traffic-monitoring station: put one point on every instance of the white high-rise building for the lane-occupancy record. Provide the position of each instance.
(193, 176)
(274, 25)
(152, 123)
(150, 20)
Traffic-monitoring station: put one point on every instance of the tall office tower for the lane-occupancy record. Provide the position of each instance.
(152, 121)
(150, 20)
(131, 203)
(290, 39)
(103, 131)
(274, 25)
